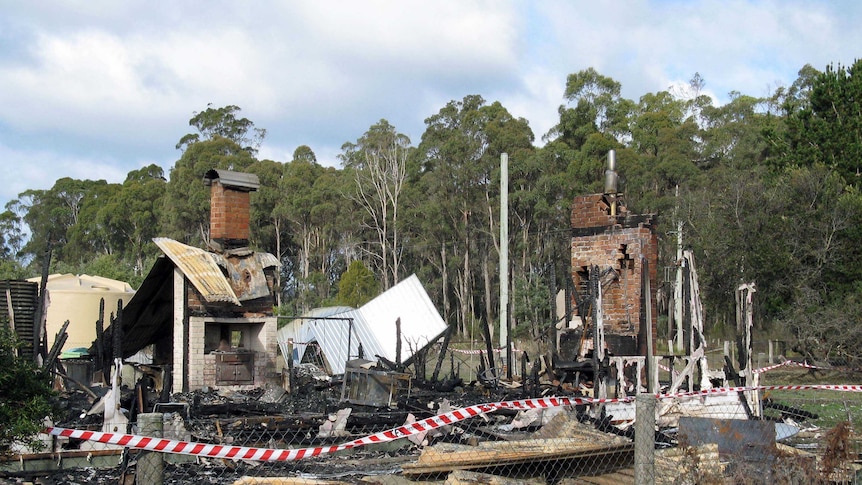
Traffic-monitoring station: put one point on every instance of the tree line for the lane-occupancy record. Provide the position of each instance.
(764, 190)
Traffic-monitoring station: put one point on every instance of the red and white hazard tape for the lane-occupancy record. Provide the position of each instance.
(478, 352)
(668, 369)
(270, 454)
(803, 364)
(728, 390)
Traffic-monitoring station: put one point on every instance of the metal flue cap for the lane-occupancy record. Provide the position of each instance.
(611, 174)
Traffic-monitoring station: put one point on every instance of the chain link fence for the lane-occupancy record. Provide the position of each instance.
(462, 436)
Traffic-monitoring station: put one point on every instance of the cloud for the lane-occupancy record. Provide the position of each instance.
(110, 86)
(28, 170)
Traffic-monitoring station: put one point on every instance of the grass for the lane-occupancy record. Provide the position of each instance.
(832, 407)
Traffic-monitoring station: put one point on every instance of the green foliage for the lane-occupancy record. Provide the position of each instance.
(767, 192)
(357, 286)
(318, 220)
(11, 235)
(52, 215)
(825, 126)
(12, 270)
(222, 122)
(455, 210)
(27, 398)
(531, 307)
(187, 199)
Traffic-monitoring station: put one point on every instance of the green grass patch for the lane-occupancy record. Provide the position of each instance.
(831, 407)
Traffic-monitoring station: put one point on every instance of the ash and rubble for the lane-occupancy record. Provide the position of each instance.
(314, 414)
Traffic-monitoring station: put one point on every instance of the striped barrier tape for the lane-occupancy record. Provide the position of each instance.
(728, 390)
(771, 367)
(478, 352)
(273, 454)
(805, 365)
(269, 454)
(668, 369)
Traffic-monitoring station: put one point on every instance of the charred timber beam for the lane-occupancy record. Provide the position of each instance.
(442, 354)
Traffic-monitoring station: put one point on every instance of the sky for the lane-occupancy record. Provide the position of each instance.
(92, 89)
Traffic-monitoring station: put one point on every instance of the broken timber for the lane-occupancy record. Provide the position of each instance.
(490, 455)
(562, 439)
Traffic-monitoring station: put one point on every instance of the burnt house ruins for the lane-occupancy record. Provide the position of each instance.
(608, 336)
(614, 256)
(206, 316)
(623, 248)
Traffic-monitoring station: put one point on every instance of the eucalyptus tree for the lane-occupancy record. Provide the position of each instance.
(131, 215)
(223, 122)
(295, 206)
(378, 161)
(11, 241)
(313, 206)
(599, 106)
(458, 176)
(540, 212)
(11, 233)
(90, 236)
(51, 215)
(666, 140)
(595, 119)
(268, 230)
(732, 134)
(223, 141)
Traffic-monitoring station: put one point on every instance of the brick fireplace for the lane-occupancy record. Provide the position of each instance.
(224, 330)
(606, 235)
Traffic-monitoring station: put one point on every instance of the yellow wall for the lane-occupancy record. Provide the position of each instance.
(76, 298)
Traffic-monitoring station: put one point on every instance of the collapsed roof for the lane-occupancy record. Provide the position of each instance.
(235, 278)
(340, 332)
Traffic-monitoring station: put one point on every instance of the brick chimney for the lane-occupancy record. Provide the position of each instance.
(230, 207)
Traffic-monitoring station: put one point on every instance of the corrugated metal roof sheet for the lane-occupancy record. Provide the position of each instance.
(239, 180)
(373, 327)
(201, 268)
(421, 323)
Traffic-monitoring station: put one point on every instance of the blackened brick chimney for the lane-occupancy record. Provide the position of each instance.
(230, 207)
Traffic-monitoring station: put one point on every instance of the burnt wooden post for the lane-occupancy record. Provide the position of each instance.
(290, 380)
(646, 324)
(443, 349)
(594, 301)
(398, 344)
(100, 342)
(116, 339)
(118, 331)
(59, 342)
(39, 322)
(489, 349)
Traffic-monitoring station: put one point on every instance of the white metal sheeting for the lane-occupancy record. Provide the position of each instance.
(373, 327)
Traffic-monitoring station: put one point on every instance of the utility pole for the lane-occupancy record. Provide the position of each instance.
(504, 261)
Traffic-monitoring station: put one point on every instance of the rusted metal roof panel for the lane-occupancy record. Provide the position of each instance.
(201, 268)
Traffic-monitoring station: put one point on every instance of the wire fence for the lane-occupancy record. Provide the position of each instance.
(802, 435)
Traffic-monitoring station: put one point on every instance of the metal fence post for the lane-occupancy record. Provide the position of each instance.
(645, 439)
(151, 464)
